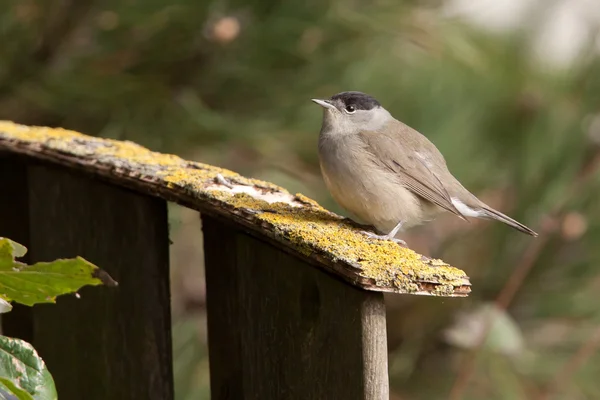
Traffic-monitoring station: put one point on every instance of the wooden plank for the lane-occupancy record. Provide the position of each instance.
(293, 223)
(279, 329)
(14, 224)
(113, 343)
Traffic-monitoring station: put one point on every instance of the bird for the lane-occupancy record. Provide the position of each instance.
(387, 174)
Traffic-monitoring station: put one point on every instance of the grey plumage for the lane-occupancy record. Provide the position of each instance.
(387, 174)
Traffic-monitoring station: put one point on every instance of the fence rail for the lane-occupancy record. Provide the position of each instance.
(295, 309)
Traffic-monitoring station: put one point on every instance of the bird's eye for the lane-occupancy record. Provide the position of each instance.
(350, 109)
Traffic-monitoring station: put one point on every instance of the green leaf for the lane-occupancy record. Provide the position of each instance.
(10, 391)
(23, 373)
(42, 282)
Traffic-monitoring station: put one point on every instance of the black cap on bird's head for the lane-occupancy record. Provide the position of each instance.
(349, 101)
(361, 101)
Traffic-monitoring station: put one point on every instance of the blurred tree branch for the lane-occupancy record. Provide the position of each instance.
(549, 226)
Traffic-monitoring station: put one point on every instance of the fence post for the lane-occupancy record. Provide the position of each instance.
(113, 343)
(288, 313)
(14, 224)
(280, 329)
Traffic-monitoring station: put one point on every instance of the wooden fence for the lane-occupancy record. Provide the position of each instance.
(294, 292)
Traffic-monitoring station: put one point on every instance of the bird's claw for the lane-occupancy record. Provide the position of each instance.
(220, 179)
(384, 237)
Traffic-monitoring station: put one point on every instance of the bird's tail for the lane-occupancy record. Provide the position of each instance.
(497, 215)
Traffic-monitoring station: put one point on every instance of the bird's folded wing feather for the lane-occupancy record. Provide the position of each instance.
(400, 153)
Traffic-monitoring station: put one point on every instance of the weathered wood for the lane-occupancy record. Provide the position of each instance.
(293, 223)
(281, 330)
(113, 343)
(14, 224)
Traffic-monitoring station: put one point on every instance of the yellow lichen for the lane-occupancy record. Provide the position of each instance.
(314, 228)
(300, 221)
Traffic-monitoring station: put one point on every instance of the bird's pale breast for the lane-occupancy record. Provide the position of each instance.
(368, 191)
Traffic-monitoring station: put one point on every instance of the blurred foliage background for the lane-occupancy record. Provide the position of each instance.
(510, 95)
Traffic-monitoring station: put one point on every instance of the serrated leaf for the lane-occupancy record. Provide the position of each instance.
(22, 367)
(43, 281)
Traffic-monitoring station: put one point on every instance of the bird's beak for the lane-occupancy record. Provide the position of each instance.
(324, 104)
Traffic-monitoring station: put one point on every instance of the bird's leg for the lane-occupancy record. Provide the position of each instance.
(390, 236)
(394, 231)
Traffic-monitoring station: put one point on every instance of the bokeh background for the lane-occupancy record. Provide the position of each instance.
(508, 90)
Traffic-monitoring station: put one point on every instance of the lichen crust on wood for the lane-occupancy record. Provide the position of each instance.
(293, 222)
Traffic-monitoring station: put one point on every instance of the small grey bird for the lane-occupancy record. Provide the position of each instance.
(387, 174)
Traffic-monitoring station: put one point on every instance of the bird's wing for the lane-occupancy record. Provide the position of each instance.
(401, 151)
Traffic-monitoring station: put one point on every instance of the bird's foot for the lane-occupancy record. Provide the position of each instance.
(384, 237)
(220, 179)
